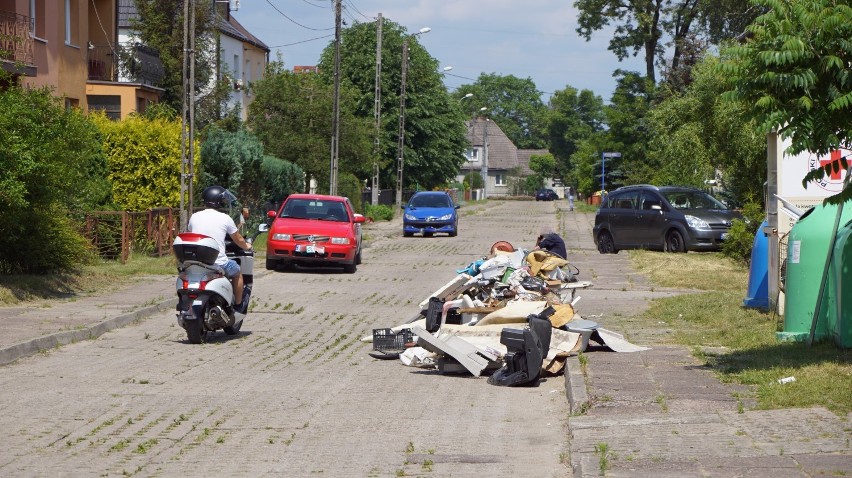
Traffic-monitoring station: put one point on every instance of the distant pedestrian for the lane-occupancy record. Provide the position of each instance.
(570, 193)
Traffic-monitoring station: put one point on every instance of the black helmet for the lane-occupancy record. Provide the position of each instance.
(213, 196)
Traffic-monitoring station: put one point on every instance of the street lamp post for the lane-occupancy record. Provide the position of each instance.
(401, 144)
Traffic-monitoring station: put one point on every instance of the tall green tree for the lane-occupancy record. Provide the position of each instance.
(292, 116)
(628, 134)
(793, 73)
(160, 25)
(434, 132)
(572, 117)
(513, 103)
(642, 25)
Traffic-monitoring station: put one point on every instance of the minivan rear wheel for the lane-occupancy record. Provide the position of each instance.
(605, 243)
(674, 242)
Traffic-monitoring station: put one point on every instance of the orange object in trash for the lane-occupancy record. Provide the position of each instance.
(502, 246)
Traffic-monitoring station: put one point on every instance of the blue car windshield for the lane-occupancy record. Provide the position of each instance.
(430, 200)
(692, 200)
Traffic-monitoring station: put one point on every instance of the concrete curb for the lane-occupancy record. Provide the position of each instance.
(575, 386)
(47, 342)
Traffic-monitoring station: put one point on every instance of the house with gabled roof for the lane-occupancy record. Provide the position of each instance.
(493, 152)
(241, 56)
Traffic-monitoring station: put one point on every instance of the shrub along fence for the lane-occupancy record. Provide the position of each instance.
(115, 234)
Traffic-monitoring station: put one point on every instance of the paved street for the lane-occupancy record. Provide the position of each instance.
(296, 393)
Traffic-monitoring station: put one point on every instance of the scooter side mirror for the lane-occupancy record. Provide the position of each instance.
(262, 227)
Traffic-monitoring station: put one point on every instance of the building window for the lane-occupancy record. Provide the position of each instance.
(500, 179)
(472, 155)
(109, 104)
(37, 18)
(72, 15)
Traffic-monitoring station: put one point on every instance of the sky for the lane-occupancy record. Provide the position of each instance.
(534, 39)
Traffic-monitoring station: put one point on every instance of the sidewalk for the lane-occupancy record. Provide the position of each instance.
(661, 413)
(45, 324)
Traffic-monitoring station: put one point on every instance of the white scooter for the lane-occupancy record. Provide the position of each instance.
(205, 295)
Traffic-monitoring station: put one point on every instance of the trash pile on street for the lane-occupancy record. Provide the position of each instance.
(510, 315)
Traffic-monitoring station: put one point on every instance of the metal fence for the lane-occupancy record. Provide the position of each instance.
(115, 234)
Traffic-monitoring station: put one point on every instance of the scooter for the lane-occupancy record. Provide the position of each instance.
(205, 295)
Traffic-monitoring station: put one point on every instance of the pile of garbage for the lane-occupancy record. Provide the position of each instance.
(510, 315)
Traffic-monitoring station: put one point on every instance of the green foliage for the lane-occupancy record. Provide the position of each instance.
(379, 212)
(543, 164)
(640, 26)
(793, 74)
(280, 178)
(694, 136)
(740, 240)
(232, 160)
(291, 115)
(573, 117)
(348, 185)
(160, 26)
(144, 160)
(434, 134)
(52, 165)
(473, 180)
(513, 103)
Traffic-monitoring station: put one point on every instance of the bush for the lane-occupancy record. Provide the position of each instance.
(232, 160)
(348, 185)
(52, 164)
(379, 212)
(144, 160)
(740, 240)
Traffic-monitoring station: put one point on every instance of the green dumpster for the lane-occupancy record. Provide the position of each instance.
(807, 249)
(840, 322)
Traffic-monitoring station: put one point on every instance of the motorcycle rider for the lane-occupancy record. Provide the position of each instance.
(215, 224)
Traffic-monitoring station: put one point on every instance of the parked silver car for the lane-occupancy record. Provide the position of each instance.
(669, 218)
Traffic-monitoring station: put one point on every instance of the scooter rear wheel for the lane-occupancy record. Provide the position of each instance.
(195, 331)
(234, 329)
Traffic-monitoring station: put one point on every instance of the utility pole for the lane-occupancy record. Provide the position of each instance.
(401, 145)
(335, 135)
(377, 112)
(485, 159)
(187, 143)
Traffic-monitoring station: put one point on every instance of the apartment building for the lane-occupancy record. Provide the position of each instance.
(85, 52)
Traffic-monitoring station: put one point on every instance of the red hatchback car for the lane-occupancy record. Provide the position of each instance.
(312, 229)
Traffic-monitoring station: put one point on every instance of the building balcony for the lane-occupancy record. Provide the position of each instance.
(125, 63)
(16, 44)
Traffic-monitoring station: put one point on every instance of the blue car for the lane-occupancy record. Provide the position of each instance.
(430, 212)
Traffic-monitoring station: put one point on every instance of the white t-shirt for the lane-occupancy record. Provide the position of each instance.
(215, 224)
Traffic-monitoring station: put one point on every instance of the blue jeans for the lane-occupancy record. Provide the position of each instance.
(231, 269)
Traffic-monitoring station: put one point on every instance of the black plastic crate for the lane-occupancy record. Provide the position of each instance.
(388, 341)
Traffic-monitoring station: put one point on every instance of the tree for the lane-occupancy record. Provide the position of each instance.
(160, 26)
(291, 115)
(628, 132)
(511, 102)
(232, 160)
(53, 166)
(642, 24)
(793, 74)
(434, 134)
(572, 117)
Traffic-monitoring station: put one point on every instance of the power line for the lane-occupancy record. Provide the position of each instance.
(358, 11)
(297, 23)
(303, 41)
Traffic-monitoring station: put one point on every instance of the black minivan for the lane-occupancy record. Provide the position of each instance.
(669, 218)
